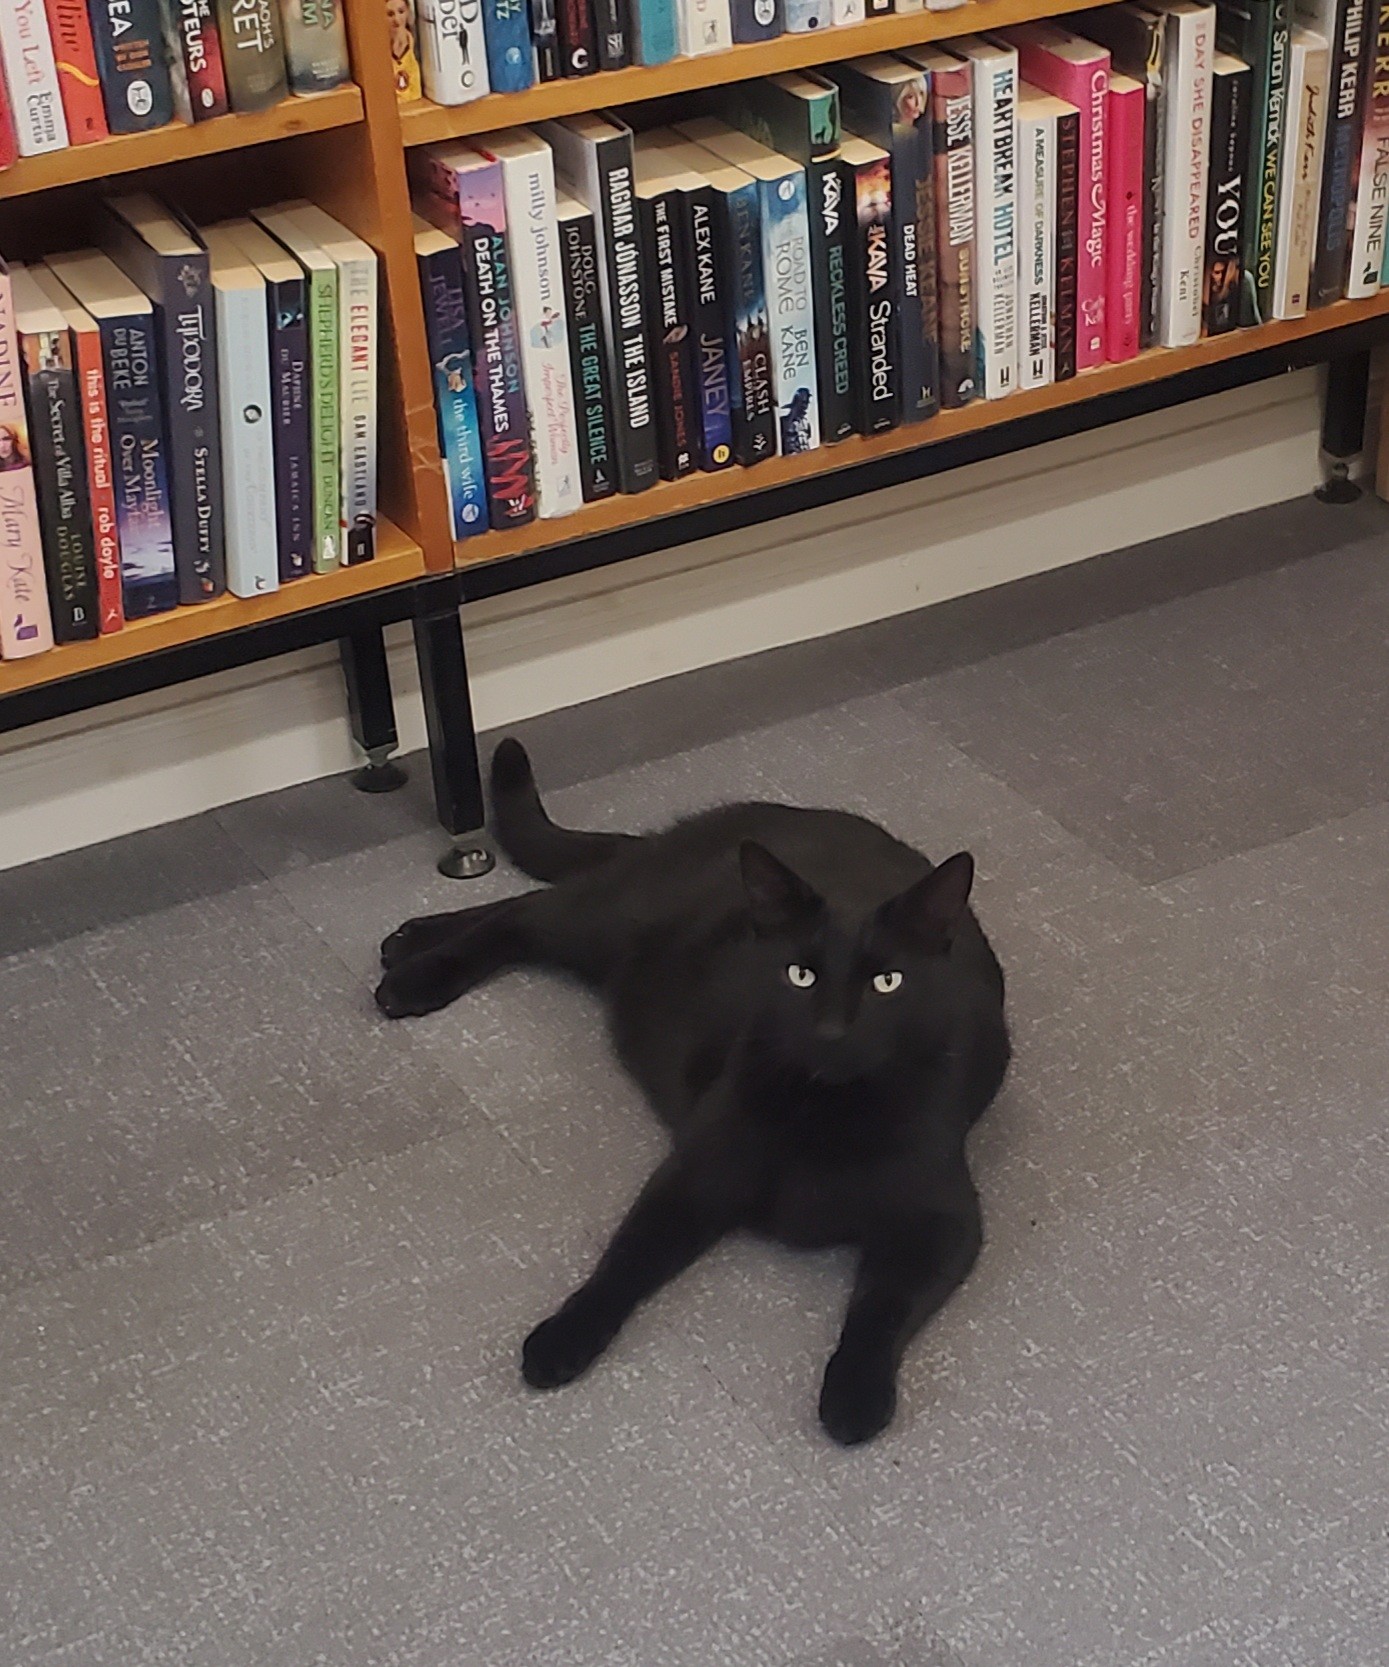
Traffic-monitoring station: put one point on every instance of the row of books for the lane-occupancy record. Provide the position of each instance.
(814, 256)
(75, 71)
(183, 412)
(452, 53)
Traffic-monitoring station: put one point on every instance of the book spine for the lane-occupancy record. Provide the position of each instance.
(55, 430)
(403, 34)
(656, 31)
(669, 329)
(528, 184)
(253, 53)
(1155, 187)
(1345, 118)
(28, 67)
(847, 11)
(587, 359)
(1036, 210)
(149, 576)
(914, 215)
(756, 20)
(709, 312)
(831, 242)
(1230, 97)
(358, 367)
(1190, 45)
(101, 492)
(248, 445)
(1263, 246)
(1124, 192)
(578, 40)
(129, 40)
(995, 147)
(754, 408)
(455, 402)
(315, 44)
(510, 58)
(705, 26)
(26, 623)
(324, 417)
(74, 56)
(1303, 149)
(611, 26)
(877, 380)
(9, 144)
(803, 17)
(291, 387)
(545, 36)
(786, 264)
(1372, 205)
(625, 314)
(497, 361)
(1067, 240)
(879, 8)
(199, 47)
(952, 117)
(453, 50)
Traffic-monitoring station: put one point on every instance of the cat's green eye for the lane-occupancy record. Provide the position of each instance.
(801, 977)
(886, 982)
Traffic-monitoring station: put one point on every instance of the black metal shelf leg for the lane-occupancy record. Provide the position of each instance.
(1343, 424)
(370, 710)
(448, 714)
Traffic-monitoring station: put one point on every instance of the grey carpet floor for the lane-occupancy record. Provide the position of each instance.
(265, 1260)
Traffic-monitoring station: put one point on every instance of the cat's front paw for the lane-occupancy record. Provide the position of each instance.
(412, 936)
(422, 984)
(563, 1348)
(857, 1398)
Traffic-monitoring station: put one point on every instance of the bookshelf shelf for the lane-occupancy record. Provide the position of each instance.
(398, 561)
(694, 492)
(129, 153)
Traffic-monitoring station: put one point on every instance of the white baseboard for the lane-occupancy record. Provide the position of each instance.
(172, 754)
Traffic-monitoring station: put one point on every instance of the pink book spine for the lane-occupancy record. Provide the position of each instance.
(25, 624)
(1124, 228)
(1085, 85)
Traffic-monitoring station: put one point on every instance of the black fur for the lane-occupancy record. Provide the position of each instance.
(824, 1112)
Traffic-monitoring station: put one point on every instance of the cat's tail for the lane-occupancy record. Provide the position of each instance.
(533, 842)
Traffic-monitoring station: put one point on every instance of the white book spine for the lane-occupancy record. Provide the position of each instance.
(1187, 139)
(790, 311)
(911, 5)
(995, 217)
(1036, 243)
(453, 51)
(26, 60)
(705, 26)
(804, 17)
(528, 187)
(1300, 184)
(943, 5)
(847, 11)
(1371, 210)
(245, 402)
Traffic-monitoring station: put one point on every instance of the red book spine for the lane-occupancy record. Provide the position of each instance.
(204, 68)
(1124, 225)
(101, 483)
(9, 149)
(75, 56)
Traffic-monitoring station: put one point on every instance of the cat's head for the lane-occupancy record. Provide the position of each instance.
(845, 997)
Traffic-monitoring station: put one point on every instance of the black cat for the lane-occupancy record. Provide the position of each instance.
(814, 1014)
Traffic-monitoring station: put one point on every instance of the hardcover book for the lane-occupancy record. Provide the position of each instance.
(125, 318)
(315, 44)
(453, 52)
(510, 57)
(27, 66)
(197, 72)
(588, 360)
(1124, 200)
(1231, 85)
(1257, 31)
(994, 76)
(291, 385)
(440, 264)
(253, 53)
(877, 381)
(74, 57)
(26, 625)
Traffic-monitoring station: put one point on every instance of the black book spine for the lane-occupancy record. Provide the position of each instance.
(149, 584)
(55, 429)
(709, 320)
(588, 362)
(501, 402)
(612, 25)
(879, 8)
(634, 417)
(756, 20)
(669, 329)
(1067, 240)
(830, 245)
(289, 377)
(549, 64)
(877, 378)
(577, 38)
(1340, 173)
(921, 398)
(1225, 209)
(135, 87)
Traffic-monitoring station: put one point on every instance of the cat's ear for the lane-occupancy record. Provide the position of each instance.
(777, 898)
(930, 912)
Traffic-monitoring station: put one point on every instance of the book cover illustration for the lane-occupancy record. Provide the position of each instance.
(26, 625)
(401, 29)
(755, 403)
(876, 384)
(786, 252)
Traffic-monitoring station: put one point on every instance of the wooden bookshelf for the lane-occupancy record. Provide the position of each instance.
(129, 153)
(423, 123)
(399, 560)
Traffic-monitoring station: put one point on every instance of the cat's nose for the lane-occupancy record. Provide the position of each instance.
(832, 1027)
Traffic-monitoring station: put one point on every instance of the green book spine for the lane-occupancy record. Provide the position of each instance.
(1257, 31)
(326, 419)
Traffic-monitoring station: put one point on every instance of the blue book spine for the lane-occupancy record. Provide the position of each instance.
(149, 579)
(756, 20)
(754, 408)
(657, 31)
(786, 263)
(455, 399)
(506, 28)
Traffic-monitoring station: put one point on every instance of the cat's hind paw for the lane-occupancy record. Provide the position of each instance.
(857, 1399)
(562, 1348)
